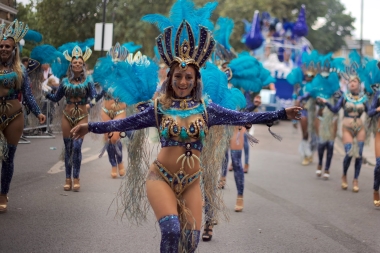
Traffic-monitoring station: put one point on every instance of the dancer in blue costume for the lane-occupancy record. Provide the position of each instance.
(299, 77)
(13, 81)
(326, 85)
(354, 103)
(372, 81)
(78, 88)
(112, 108)
(183, 118)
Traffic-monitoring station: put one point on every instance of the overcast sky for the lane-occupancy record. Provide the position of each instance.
(371, 17)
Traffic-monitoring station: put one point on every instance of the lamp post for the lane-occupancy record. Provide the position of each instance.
(104, 26)
(361, 31)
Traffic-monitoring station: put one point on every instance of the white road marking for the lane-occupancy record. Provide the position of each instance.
(60, 165)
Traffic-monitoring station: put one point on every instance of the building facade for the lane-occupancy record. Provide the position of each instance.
(354, 44)
(7, 11)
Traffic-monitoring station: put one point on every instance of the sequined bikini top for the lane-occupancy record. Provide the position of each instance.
(76, 90)
(8, 79)
(354, 105)
(183, 122)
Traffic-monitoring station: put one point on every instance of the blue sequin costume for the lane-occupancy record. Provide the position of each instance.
(204, 116)
(354, 106)
(372, 112)
(83, 91)
(209, 115)
(8, 81)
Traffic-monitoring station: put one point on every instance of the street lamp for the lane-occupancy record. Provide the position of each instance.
(361, 31)
(104, 26)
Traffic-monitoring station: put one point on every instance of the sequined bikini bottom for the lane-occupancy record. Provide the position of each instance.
(354, 129)
(178, 181)
(5, 120)
(74, 120)
(111, 113)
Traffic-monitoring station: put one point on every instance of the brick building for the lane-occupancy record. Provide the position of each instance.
(7, 11)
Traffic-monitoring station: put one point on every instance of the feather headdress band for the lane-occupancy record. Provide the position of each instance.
(78, 53)
(187, 52)
(16, 30)
(118, 53)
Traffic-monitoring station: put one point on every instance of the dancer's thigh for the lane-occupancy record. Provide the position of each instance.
(346, 136)
(161, 197)
(193, 201)
(14, 130)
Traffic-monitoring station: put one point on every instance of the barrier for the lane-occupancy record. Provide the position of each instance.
(47, 134)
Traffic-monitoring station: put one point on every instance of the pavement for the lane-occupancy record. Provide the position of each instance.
(287, 208)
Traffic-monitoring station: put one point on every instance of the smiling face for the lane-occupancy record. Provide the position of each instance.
(183, 81)
(77, 65)
(354, 85)
(6, 48)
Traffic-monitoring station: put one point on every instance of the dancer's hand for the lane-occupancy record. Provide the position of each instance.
(321, 100)
(79, 131)
(293, 112)
(378, 109)
(41, 118)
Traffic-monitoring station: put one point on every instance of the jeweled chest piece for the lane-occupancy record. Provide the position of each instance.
(183, 104)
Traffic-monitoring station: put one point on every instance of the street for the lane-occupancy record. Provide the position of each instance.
(286, 207)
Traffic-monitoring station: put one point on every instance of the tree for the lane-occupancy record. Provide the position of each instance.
(74, 20)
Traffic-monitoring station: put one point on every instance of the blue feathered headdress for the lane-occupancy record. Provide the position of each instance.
(215, 86)
(371, 76)
(324, 87)
(184, 10)
(60, 67)
(295, 76)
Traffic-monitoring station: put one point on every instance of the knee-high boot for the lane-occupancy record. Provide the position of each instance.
(192, 241)
(170, 234)
(359, 160)
(119, 152)
(376, 181)
(68, 156)
(7, 169)
(111, 154)
(347, 159)
(329, 155)
(77, 160)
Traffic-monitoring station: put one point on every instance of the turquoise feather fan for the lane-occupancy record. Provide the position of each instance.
(223, 30)
(215, 86)
(131, 83)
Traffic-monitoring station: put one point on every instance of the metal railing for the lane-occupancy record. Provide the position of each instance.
(46, 134)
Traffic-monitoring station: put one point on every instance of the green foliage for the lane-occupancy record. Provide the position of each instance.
(62, 21)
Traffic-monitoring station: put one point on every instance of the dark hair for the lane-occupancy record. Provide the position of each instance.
(24, 59)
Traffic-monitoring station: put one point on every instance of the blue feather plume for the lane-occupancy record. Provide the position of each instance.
(45, 54)
(34, 36)
(131, 47)
(246, 73)
(183, 10)
(215, 86)
(131, 83)
(295, 76)
(223, 31)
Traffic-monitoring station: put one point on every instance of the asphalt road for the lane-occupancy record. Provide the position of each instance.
(287, 209)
